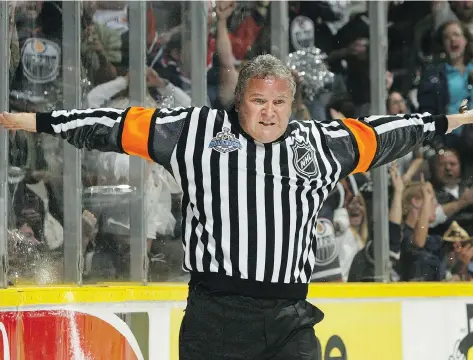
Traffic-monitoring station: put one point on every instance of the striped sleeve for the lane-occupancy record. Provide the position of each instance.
(364, 143)
(146, 132)
(340, 142)
(382, 139)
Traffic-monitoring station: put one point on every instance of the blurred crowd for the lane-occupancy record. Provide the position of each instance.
(429, 69)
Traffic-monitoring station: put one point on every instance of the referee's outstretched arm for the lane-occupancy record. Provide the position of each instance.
(149, 133)
(154, 133)
(363, 143)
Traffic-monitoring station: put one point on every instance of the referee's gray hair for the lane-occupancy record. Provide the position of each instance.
(261, 67)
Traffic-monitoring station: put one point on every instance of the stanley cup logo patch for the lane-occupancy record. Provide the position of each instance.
(225, 142)
(304, 159)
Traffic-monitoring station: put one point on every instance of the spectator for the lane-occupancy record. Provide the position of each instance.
(422, 255)
(34, 202)
(155, 42)
(169, 65)
(425, 49)
(446, 84)
(362, 266)
(459, 256)
(173, 62)
(402, 17)
(396, 104)
(356, 237)
(118, 89)
(246, 37)
(227, 71)
(36, 208)
(352, 49)
(425, 30)
(101, 49)
(455, 195)
(412, 165)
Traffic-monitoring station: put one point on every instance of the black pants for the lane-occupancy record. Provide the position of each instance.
(229, 327)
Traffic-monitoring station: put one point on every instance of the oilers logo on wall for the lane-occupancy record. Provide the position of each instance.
(41, 60)
(302, 33)
(327, 250)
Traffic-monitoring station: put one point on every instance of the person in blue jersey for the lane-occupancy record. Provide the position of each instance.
(253, 184)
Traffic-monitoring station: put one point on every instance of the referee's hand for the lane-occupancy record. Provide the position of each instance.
(464, 117)
(464, 107)
(18, 121)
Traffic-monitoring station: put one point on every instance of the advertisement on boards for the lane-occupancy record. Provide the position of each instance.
(66, 334)
(150, 331)
(437, 330)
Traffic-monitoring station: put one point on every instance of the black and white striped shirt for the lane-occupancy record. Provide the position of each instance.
(249, 209)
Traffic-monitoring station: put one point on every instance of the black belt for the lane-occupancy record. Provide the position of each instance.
(226, 285)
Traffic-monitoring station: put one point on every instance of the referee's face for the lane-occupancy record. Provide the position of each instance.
(265, 108)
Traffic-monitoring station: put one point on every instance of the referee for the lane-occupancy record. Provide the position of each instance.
(252, 186)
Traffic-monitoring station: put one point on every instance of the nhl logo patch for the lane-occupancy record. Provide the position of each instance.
(225, 142)
(304, 159)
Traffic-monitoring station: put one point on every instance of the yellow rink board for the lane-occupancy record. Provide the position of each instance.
(382, 327)
(120, 292)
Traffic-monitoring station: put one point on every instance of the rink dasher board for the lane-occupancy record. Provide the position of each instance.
(127, 322)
